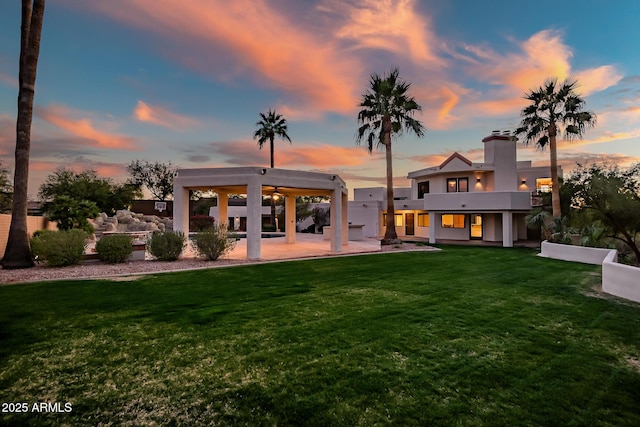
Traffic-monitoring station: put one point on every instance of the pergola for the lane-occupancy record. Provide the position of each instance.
(256, 182)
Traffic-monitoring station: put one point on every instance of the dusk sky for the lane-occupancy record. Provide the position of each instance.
(184, 80)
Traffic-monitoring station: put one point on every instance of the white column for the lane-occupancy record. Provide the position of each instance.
(254, 219)
(336, 221)
(507, 229)
(345, 220)
(223, 208)
(432, 227)
(181, 209)
(290, 218)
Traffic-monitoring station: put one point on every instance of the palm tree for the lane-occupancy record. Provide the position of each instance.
(387, 109)
(270, 126)
(554, 108)
(18, 253)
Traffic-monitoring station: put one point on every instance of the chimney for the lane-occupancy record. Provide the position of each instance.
(500, 152)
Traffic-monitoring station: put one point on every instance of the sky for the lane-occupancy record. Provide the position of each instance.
(184, 81)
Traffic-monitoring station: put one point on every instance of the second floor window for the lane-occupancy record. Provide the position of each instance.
(457, 185)
(423, 188)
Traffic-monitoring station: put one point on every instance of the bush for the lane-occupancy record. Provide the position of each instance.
(200, 222)
(70, 213)
(215, 242)
(268, 227)
(166, 246)
(59, 248)
(114, 248)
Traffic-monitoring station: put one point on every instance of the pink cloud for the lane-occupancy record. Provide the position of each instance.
(65, 119)
(597, 79)
(392, 25)
(161, 116)
(544, 55)
(8, 80)
(245, 153)
(247, 37)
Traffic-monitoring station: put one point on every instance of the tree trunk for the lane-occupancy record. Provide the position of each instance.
(273, 203)
(555, 182)
(18, 253)
(390, 235)
(271, 150)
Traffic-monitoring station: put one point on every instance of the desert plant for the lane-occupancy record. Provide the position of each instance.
(59, 248)
(167, 246)
(114, 248)
(201, 222)
(214, 242)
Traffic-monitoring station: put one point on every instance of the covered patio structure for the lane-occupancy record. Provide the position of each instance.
(256, 182)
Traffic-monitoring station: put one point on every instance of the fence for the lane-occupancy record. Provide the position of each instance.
(34, 223)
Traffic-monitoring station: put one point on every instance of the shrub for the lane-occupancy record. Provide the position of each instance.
(200, 222)
(59, 248)
(114, 248)
(215, 242)
(268, 227)
(166, 246)
(70, 213)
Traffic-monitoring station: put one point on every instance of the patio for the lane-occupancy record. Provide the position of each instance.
(305, 246)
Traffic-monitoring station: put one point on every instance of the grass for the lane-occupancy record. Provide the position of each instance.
(466, 336)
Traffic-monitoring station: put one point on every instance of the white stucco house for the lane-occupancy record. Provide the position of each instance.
(461, 200)
(457, 200)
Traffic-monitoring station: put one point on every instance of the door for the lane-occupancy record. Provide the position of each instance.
(408, 225)
(476, 226)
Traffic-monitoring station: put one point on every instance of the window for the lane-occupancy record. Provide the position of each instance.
(452, 221)
(543, 185)
(423, 188)
(423, 220)
(457, 185)
(397, 217)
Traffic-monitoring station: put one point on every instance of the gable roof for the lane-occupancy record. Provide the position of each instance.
(455, 155)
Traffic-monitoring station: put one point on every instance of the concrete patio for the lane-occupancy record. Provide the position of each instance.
(305, 246)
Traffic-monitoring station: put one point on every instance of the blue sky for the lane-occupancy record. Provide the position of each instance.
(184, 80)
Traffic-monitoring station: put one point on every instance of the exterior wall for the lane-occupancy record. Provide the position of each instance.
(500, 151)
(492, 227)
(369, 194)
(620, 280)
(574, 253)
(34, 223)
(479, 201)
(367, 214)
(450, 233)
(617, 279)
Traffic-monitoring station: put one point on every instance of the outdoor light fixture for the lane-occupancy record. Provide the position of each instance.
(524, 181)
(478, 179)
(276, 194)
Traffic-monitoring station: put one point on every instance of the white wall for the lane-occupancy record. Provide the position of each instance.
(574, 253)
(617, 279)
(366, 213)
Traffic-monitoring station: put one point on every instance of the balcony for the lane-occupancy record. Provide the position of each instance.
(479, 201)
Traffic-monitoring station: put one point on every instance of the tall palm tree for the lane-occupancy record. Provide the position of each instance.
(387, 109)
(18, 253)
(554, 108)
(270, 126)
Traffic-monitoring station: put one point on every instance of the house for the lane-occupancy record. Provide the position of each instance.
(457, 200)
(461, 200)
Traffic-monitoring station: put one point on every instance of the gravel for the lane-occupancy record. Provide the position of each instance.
(98, 269)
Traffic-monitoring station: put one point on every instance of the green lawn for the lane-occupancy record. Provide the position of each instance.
(466, 336)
